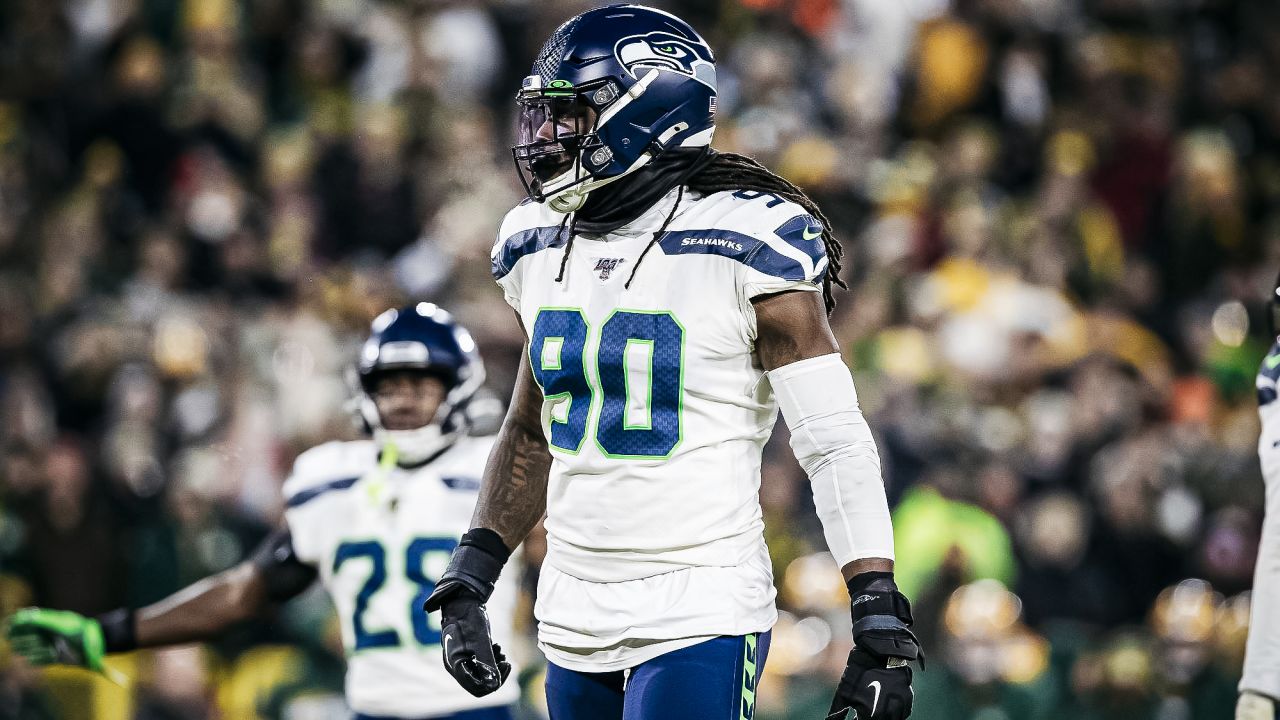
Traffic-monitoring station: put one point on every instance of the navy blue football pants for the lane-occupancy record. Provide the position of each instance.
(713, 680)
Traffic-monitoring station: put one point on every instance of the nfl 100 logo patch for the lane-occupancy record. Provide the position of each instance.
(606, 266)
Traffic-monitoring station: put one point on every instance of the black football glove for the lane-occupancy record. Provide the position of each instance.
(876, 683)
(470, 655)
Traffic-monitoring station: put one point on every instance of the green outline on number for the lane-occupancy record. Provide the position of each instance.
(626, 384)
(595, 436)
(433, 622)
(352, 651)
(591, 401)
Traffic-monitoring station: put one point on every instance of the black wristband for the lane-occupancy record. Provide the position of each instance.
(489, 541)
(119, 630)
(875, 593)
(881, 618)
(475, 566)
(876, 580)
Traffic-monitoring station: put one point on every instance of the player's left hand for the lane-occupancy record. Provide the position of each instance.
(56, 637)
(873, 689)
(876, 683)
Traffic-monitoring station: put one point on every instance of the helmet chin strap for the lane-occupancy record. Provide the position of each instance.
(413, 446)
(568, 201)
(573, 197)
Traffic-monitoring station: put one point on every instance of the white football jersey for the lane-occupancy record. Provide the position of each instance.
(1262, 654)
(656, 413)
(380, 537)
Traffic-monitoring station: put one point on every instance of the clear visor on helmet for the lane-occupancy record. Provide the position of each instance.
(553, 127)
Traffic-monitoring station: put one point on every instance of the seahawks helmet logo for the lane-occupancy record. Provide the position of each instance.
(665, 51)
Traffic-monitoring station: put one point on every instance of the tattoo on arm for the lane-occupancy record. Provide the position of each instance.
(513, 497)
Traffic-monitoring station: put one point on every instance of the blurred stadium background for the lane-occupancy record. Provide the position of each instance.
(1062, 216)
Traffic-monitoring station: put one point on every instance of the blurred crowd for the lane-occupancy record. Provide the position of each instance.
(1062, 217)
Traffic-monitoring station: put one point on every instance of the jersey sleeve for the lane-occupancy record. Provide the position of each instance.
(789, 255)
(323, 469)
(504, 273)
(302, 483)
(524, 231)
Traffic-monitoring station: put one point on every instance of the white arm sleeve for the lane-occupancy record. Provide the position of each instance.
(833, 443)
(1262, 653)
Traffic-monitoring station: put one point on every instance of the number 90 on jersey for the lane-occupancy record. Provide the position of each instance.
(638, 357)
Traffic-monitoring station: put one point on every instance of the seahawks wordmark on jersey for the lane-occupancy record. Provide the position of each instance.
(380, 537)
(656, 413)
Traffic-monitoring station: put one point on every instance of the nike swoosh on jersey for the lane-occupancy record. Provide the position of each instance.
(448, 661)
(811, 235)
(875, 685)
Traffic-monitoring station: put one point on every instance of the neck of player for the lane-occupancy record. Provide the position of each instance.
(618, 203)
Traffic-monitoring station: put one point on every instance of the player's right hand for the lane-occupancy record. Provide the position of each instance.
(1253, 706)
(470, 654)
(56, 637)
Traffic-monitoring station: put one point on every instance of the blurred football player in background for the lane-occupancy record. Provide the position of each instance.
(373, 520)
(1260, 684)
(674, 298)
(1186, 620)
(1180, 669)
(993, 665)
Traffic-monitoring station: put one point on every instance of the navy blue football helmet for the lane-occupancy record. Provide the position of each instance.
(610, 90)
(421, 337)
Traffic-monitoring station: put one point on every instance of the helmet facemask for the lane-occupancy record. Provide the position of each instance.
(558, 146)
(417, 445)
(554, 126)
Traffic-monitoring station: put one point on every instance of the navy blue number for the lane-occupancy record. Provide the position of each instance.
(659, 433)
(414, 559)
(753, 194)
(373, 550)
(556, 357)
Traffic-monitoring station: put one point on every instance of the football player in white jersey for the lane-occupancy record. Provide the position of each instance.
(374, 520)
(673, 298)
(1260, 685)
